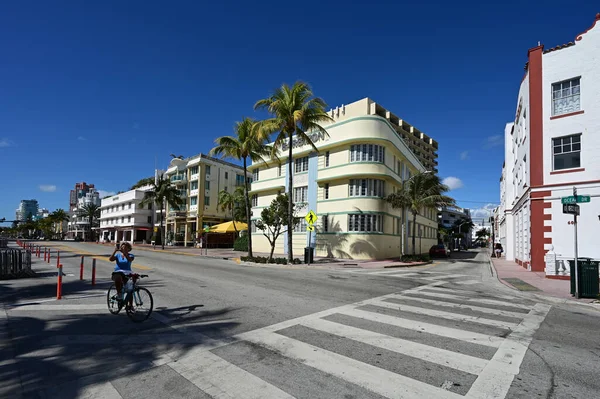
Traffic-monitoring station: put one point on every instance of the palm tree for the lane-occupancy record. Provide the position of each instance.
(422, 191)
(248, 142)
(59, 216)
(228, 202)
(91, 212)
(295, 112)
(162, 193)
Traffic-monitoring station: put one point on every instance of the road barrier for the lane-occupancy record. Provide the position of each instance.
(81, 269)
(93, 271)
(59, 283)
(15, 262)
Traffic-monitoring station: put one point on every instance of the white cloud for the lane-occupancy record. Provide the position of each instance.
(483, 213)
(104, 193)
(464, 155)
(48, 188)
(81, 138)
(453, 183)
(493, 141)
(5, 143)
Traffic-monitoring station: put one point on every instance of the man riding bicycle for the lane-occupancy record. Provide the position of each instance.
(123, 259)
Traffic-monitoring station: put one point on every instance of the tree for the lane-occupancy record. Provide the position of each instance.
(162, 193)
(59, 216)
(273, 218)
(143, 182)
(422, 191)
(228, 201)
(92, 213)
(248, 142)
(482, 235)
(295, 113)
(46, 226)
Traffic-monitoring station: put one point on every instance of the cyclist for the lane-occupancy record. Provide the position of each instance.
(123, 258)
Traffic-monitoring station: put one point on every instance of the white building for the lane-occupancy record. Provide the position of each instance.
(123, 218)
(79, 226)
(450, 218)
(552, 146)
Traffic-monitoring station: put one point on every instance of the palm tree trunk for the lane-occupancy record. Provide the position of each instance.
(290, 226)
(248, 211)
(414, 233)
(162, 233)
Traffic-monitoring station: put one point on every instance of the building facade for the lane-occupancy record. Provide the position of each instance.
(79, 226)
(27, 208)
(451, 218)
(363, 158)
(199, 179)
(124, 218)
(553, 146)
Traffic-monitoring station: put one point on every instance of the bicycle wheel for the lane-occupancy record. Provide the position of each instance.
(112, 301)
(141, 306)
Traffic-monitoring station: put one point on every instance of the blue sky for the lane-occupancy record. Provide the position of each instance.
(100, 91)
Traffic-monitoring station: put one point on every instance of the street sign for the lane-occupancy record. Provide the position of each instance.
(311, 218)
(571, 209)
(310, 227)
(576, 199)
(206, 229)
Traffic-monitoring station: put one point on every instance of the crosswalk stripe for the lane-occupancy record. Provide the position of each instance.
(434, 278)
(221, 379)
(448, 332)
(463, 306)
(396, 271)
(497, 377)
(464, 292)
(459, 361)
(468, 282)
(383, 382)
(444, 314)
(478, 300)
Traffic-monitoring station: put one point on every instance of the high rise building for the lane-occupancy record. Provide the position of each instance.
(26, 209)
(82, 195)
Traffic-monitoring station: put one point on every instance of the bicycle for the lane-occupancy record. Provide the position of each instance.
(134, 294)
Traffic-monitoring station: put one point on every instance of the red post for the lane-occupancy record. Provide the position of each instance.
(81, 269)
(59, 283)
(38, 251)
(45, 253)
(93, 271)
(57, 258)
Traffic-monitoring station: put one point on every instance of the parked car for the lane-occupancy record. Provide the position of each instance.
(439, 250)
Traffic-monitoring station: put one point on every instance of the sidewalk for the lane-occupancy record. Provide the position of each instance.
(517, 277)
(230, 254)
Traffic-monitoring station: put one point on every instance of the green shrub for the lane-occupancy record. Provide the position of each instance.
(263, 259)
(415, 258)
(241, 244)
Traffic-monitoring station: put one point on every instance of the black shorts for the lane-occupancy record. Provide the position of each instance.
(123, 276)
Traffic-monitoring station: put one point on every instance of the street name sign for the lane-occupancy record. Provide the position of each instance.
(576, 199)
(571, 209)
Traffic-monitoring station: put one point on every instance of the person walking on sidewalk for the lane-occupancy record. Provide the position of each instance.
(498, 250)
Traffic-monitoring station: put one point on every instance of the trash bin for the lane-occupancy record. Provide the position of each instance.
(587, 276)
(308, 255)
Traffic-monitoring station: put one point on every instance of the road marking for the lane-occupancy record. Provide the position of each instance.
(222, 380)
(468, 364)
(468, 282)
(104, 390)
(445, 314)
(464, 292)
(373, 378)
(478, 300)
(497, 377)
(448, 332)
(462, 306)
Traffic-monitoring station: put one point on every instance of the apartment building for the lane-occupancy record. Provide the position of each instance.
(27, 208)
(79, 226)
(449, 217)
(553, 146)
(199, 179)
(124, 218)
(364, 157)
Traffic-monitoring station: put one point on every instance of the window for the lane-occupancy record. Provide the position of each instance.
(565, 97)
(326, 191)
(149, 219)
(194, 201)
(225, 188)
(301, 226)
(227, 175)
(366, 188)
(239, 180)
(194, 170)
(122, 219)
(367, 153)
(254, 200)
(194, 185)
(208, 169)
(207, 185)
(301, 194)
(206, 201)
(129, 205)
(301, 164)
(325, 219)
(327, 159)
(278, 170)
(128, 219)
(566, 151)
(365, 222)
(253, 228)
(255, 174)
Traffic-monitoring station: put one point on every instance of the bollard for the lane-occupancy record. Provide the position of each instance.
(93, 271)
(81, 269)
(59, 283)
(45, 254)
(57, 258)
(49, 254)
(38, 251)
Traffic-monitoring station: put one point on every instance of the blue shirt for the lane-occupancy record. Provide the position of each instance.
(123, 265)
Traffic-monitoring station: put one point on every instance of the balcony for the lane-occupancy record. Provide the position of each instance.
(178, 179)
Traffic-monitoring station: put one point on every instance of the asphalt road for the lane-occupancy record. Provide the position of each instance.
(224, 330)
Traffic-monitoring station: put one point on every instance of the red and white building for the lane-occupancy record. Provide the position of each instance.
(552, 146)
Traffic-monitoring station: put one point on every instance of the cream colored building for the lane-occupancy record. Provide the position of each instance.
(363, 158)
(200, 179)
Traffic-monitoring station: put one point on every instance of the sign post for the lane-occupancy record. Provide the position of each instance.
(311, 219)
(206, 230)
(570, 207)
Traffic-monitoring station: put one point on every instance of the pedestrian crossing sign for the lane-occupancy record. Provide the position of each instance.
(310, 227)
(311, 218)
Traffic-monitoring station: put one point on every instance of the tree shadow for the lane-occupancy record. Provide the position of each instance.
(333, 242)
(364, 247)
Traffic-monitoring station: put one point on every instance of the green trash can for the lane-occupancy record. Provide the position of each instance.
(589, 280)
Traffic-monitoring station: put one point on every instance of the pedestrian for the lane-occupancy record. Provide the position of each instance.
(498, 250)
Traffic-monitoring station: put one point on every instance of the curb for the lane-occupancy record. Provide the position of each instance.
(409, 265)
